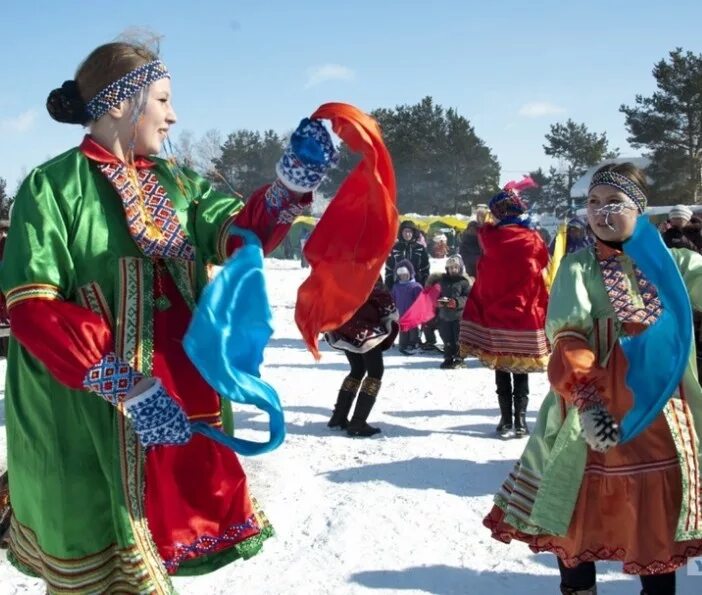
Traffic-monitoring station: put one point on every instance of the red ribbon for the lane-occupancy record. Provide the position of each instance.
(348, 247)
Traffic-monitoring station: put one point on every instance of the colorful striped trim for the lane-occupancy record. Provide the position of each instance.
(132, 458)
(212, 419)
(679, 418)
(92, 298)
(206, 544)
(519, 492)
(223, 235)
(619, 554)
(134, 343)
(113, 570)
(568, 334)
(606, 335)
(530, 343)
(634, 469)
(135, 313)
(150, 215)
(32, 291)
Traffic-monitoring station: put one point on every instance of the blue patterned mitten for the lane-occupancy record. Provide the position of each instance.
(111, 378)
(307, 158)
(156, 417)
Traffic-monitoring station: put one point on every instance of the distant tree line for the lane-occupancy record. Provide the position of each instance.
(442, 165)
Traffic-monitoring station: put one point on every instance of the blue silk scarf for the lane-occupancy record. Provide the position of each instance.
(659, 356)
(226, 338)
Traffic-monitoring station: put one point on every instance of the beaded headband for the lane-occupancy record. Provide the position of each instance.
(506, 203)
(623, 184)
(126, 87)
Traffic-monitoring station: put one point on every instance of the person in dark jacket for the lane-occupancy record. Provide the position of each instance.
(577, 237)
(469, 248)
(364, 338)
(675, 236)
(684, 232)
(454, 294)
(408, 247)
(693, 231)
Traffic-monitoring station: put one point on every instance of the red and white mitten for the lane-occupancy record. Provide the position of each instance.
(600, 429)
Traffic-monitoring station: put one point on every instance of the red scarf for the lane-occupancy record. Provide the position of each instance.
(348, 247)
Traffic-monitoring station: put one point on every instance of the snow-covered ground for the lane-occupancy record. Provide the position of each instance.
(397, 513)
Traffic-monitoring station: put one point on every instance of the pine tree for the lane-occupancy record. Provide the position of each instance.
(669, 125)
(577, 148)
(5, 200)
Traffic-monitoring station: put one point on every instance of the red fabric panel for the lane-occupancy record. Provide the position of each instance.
(509, 292)
(349, 245)
(197, 490)
(422, 310)
(68, 339)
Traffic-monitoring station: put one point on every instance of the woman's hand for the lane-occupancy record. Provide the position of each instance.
(307, 158)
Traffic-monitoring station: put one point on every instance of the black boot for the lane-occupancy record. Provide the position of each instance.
(366, 399)
(569, 591)
(503, 380)
(521, 400)
(449, 356)
(347, 394)
(520, 425)
(505, 426)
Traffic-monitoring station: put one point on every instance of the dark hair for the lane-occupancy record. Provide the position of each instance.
(103, 66)
(629, 171)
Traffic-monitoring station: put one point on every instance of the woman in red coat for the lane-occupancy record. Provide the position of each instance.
(503, 321)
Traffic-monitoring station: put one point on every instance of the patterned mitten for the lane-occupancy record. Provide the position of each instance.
(600, 429)
(156, 417)
(111, 378)
(307, 157)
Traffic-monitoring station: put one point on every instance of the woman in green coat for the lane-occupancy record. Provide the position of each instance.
(576, 491)
(108, 252)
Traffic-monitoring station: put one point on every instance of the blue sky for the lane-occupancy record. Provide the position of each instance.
(512, 68)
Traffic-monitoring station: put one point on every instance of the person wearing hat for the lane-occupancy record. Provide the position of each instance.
(452, 299)
(407, 247)
(582, 489)
(576, 235)
(683, 231)
(675, 236)
(404, 293)
(679, 216)
(503, 321)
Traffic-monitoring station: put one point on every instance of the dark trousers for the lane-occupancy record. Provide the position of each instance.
(370, 362)
(409, 339)
(449, 329)
(583, 576)
(429, 330)
(503, 380)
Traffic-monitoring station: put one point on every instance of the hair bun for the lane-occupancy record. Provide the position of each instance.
(66, 105)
